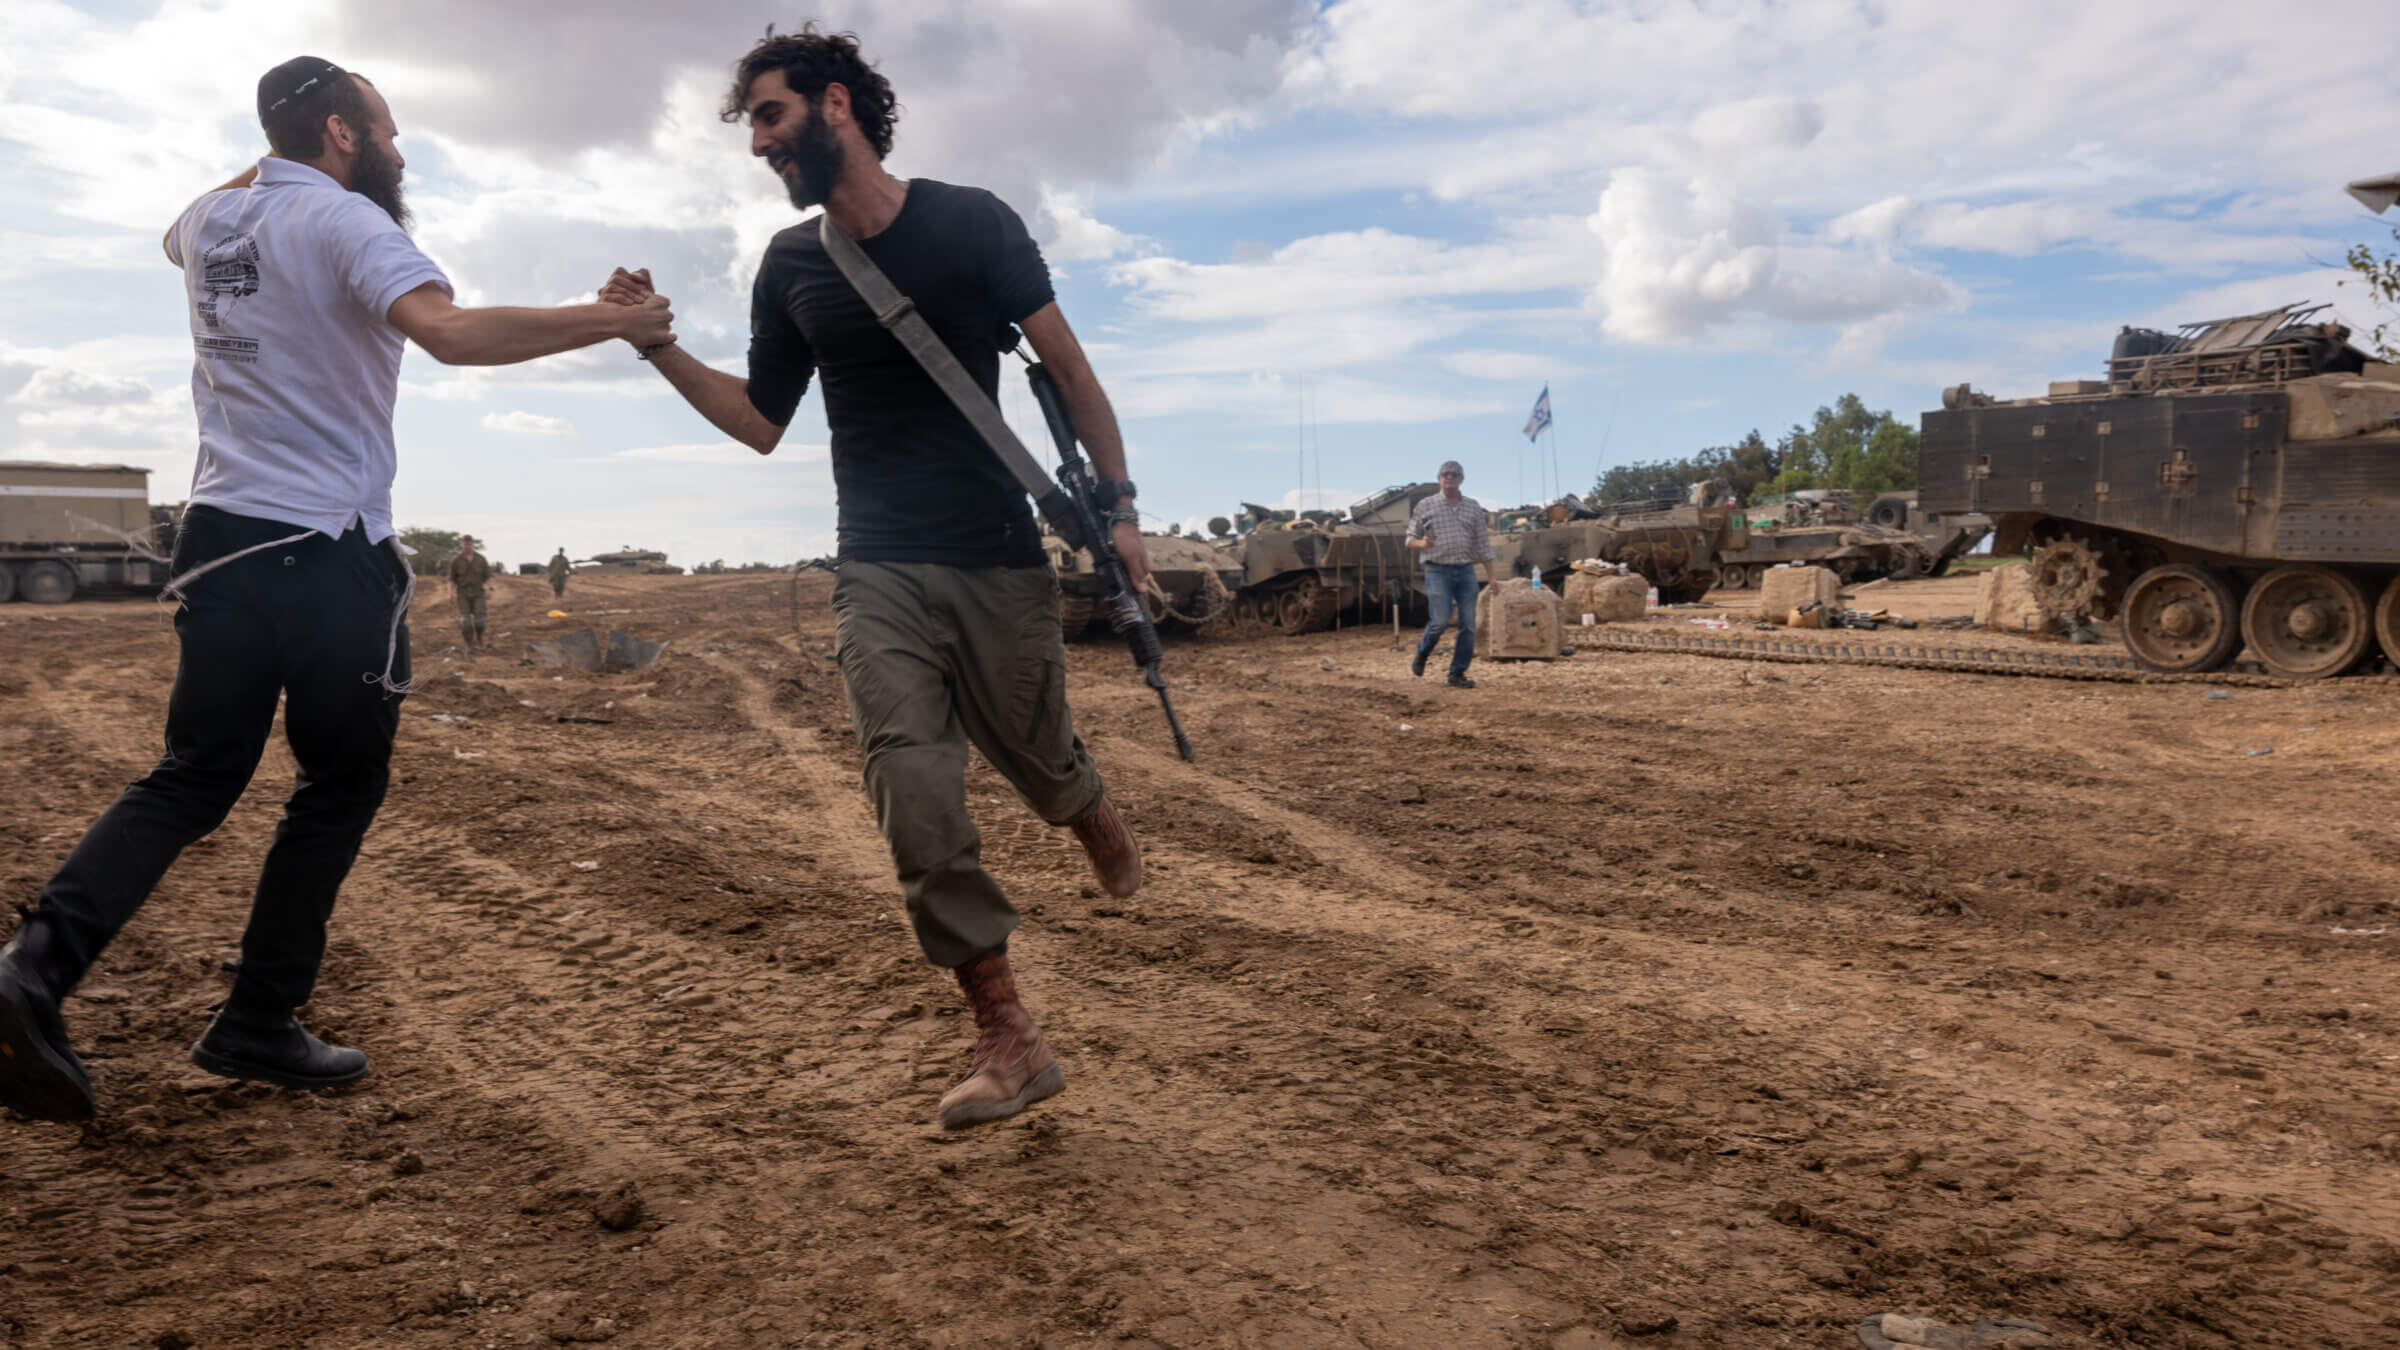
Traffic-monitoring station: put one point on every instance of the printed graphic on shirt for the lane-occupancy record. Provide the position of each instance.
(228, 273)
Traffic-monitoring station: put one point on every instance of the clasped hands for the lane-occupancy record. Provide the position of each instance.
(634, 289)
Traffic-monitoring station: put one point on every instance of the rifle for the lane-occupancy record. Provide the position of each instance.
(1074, 513)
(1071, 506)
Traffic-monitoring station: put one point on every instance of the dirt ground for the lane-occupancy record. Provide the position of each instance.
(1627, 1001)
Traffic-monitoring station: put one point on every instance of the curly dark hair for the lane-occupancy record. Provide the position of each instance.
(811, 60)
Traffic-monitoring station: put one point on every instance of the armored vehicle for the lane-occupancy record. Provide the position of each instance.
(630, 559)
(2236, 482)
(1820, 527)
(1301, 571)
(1947, 537)
(1665, 538)
(1192, 582)
(66, 527)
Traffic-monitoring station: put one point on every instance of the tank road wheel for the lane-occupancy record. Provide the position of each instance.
(1734, 577)
(8, 583)
(47, 583)
(2387, 621)
(1075, 613)
(2067, 577)
(2305, 623)
(1907, 565)
(1304, 607)
(2181, 620)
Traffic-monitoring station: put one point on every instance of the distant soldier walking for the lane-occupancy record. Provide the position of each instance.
(1454, 534)
(559, 568)
(301, 288)
(470, 572)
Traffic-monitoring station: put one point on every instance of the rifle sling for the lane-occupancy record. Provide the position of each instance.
(898, 315)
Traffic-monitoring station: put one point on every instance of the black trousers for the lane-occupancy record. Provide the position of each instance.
(307, 621)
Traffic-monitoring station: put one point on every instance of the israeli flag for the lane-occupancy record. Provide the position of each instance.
(1540, 421)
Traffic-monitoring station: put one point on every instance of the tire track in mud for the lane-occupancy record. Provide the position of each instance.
(1129, 1096)
(1674, 964)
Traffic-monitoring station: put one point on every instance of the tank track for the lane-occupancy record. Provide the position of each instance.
(2069, 663)
(1322, 603)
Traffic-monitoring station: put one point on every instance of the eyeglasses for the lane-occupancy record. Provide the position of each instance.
(309, 86)
(1451, 473)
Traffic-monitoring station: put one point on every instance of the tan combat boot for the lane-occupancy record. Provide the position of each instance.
(1013, 1069)
(1116, 859)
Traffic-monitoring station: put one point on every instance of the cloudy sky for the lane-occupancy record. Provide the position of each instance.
(1313, 248)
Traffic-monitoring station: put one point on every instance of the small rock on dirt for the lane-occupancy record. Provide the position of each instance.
(1645, 1319)
(172, 1340)
(620, 1209)
(408, 1164)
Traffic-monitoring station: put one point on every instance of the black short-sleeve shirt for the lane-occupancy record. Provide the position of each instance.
(913, 482)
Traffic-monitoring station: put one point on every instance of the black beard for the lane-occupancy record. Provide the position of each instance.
(816, 160)
(376, 178)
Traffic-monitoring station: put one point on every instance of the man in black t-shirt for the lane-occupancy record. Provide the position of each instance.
(946, 611)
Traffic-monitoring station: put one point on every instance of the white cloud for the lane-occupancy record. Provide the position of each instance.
(58, 388)
(1499, 365)
(718, 452)
(1680, 258)
(1076, 237)
(521, 423)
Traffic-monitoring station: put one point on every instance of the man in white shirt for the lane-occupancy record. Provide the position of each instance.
(303, 288)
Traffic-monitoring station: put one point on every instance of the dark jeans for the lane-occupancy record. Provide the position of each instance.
(1450, 588)
(307, 621)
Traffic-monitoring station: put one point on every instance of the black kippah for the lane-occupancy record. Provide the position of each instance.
(296, 79)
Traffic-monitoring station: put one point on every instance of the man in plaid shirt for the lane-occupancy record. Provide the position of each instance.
(1452, 532)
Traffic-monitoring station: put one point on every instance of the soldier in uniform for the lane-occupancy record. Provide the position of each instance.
(470, 572)
(558, 573)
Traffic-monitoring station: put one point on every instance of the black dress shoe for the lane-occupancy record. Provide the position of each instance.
(275, 1051)
(39, 1075)
(1458, 681)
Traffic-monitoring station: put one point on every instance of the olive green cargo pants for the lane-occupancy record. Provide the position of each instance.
(471, 611)
(934, 658)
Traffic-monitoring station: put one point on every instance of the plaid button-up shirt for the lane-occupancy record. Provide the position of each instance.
(1460, 533)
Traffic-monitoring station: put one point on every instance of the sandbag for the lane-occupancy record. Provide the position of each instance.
(1616, 599)
(1515, 622)
(2006, 603)
(1784, 589)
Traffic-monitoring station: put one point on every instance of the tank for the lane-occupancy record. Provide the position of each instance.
(630, 559)
(2234, 483)
(1303, 571)
(1194, 582)
(1821, 527)
(1947, 537)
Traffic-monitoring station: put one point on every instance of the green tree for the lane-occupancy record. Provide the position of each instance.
(2379, 274)
(433, 549)
(1848, 446)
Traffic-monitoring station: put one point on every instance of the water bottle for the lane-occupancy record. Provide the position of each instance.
(1537, 580)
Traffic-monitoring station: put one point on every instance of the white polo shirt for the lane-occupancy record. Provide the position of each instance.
(295, 365)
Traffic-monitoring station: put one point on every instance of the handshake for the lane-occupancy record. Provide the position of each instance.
(653, 326)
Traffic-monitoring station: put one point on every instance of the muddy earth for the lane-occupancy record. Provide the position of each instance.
(1628, 1001)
